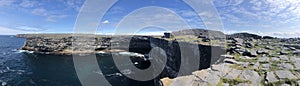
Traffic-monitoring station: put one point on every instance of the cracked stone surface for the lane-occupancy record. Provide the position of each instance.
(285, 74)
(263, 59)
(267, 68)
(251, 76)
(233, 74)
(286, 66)
(271, 77)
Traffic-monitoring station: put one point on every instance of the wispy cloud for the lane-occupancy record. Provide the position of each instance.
(28, 28)
(29, 4)
(40, 12)
(223, 3)
(105, 22)
(53, 18)
(10, 31)
(73, 4)
(7, 2)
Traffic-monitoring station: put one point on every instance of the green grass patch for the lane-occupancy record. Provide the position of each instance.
(235, 81)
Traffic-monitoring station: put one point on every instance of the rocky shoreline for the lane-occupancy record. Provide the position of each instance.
(67, 44)
(241, 59)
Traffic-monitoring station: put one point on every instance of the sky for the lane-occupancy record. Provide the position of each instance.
(280, 18)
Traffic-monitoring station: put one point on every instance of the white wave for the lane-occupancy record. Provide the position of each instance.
(131, 54)
(25, 51)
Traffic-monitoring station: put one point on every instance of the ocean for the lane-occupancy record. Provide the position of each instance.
(27, 69)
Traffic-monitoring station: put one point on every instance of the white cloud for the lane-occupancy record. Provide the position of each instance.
(9, 31)
(28, 4)
(7, 2)
(28, 28)
(152, 33)
(282, 34)
(223, 3)
(53, 18)
(39, 12)
(73, 4)
(105, 22)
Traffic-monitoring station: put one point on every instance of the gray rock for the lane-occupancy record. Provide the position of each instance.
(284, 57)
(231, 61)
(263, 59)
(265, 66)
(256, 65)
(285, 74)
(271, 77)
(286, 66)
(210, 77)
(269, 48)
(251, 76)
(225, 84)
(294, 59)
(228, 56)
(296, 52)
(233, 74)
(244, 64)
(283, 52)
(246, 57)
(292, 48)
(250, 53)
(249, 45)
(298, 82)
(275, 59)
(238, 41)
(262, 51)
(297, 64)
(225, 69)
(253, 53)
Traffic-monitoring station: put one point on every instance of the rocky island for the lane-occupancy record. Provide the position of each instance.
(240, 59)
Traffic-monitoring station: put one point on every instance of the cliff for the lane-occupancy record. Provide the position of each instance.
(185, 50)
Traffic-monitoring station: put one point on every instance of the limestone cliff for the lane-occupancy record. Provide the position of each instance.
(178, 52)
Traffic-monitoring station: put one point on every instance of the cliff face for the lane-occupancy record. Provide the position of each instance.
(192, 56)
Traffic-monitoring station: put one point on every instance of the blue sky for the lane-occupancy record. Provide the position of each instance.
(279, 18)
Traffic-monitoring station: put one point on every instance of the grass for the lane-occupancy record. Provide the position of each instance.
(234, 81)
(273, 67)
(220, 83)
(237, 56)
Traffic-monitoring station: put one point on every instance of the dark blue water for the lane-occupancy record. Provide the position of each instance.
(25, 69)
